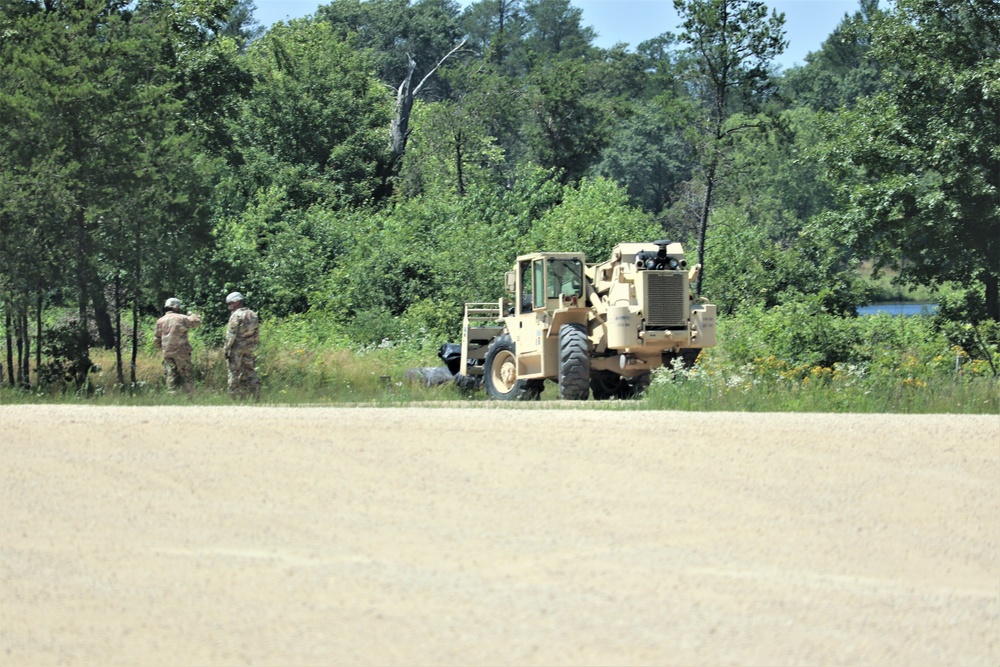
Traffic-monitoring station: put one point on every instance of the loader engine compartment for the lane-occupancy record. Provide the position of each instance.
(666, 300)
(662, 287)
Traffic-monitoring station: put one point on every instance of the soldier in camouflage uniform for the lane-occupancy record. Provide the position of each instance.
(171, 337)
(242, 335)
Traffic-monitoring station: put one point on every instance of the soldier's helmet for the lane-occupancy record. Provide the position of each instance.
(173, 303)
(234, 297)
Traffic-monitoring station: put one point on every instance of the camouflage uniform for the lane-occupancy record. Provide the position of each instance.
(242, 335)
(172, 338)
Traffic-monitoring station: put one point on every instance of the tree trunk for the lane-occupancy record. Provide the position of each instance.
(26, 362)
(458, 165)
(102, 319)
(991, 281)
(703, 225)
(10, 343)
(400, 127)
(38, 337)
(399, 130)
(81, 362)
(135, 339)
(136, 282)
(19, 343)
(118, 331)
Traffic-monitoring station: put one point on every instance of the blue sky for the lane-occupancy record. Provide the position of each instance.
(807, 22)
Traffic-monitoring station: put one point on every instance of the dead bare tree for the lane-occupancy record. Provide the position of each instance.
(400, 129)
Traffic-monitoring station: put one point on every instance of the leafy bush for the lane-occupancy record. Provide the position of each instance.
(592, 219)
(746, 267)
(798, 358)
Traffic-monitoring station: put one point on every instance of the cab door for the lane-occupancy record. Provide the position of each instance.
(531, 316)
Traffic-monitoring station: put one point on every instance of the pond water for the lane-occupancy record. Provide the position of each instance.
(908, 308)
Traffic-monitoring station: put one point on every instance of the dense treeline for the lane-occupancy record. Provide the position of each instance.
(379, 163)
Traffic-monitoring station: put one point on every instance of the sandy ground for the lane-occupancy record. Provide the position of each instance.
(472, 535)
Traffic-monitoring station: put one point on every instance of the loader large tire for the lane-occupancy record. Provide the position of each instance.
(608, 384)
(574, 362)
(500, 374)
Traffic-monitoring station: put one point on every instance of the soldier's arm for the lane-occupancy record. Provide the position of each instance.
(230, 336)
(158, 337)
(193, 321)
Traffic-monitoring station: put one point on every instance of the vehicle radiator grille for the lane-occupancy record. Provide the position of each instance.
(666, 302)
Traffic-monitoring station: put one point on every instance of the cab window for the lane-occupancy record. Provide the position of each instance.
(526, 293)
(539, 276)
(565, 277)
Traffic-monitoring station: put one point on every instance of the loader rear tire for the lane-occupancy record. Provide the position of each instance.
(574, 363)
(637, 386)
(500, 374)
(607, 384)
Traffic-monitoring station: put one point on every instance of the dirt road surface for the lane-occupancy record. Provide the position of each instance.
(486, 536)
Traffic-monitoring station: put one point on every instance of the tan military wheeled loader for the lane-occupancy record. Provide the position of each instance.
(588, 327)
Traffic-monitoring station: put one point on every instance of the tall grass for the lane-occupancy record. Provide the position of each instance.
(295, 367)
(798, 358)
(768, 386)
(791, 359)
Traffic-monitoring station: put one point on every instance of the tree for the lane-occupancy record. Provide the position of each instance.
(648, 154)
(452, 150)
(592, 218)
(91, 105)
(841, 71)
(399, 132)
(775, 176)
(731, 43)
(240, 25)
(394, 32)
(495, 29)
(567, 122)
(920, 159)
(315, 123)
(755, 270)
(555, 29)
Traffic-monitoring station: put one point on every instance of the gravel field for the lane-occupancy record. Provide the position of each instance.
(471, 535)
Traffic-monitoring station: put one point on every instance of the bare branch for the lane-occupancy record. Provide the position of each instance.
(416, 91)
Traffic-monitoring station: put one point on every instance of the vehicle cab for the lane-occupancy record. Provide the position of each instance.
(550, 289)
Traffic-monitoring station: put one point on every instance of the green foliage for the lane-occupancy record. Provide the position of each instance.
(98, 158)
(495, 30)
(648, 154)
(68, 362)
(799, 334)
(315, 121)
(566, 124)
(804, 335)
(801, 358)
(393, 31)
(866, 364)
(592, 218)
(273, 258)
(451, 150)
(772, 173)
(731, 44)
(411, 266)
(752, 269)
(919, 159)
(156, 149)
(555, 29)
(842, 71)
